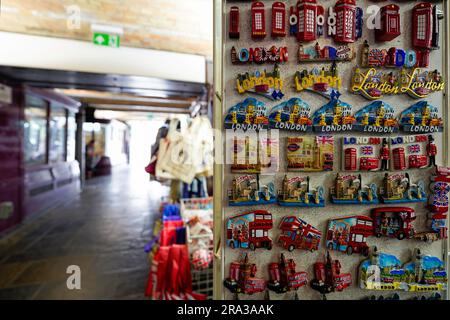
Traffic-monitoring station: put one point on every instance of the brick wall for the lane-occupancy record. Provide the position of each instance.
(180, 26)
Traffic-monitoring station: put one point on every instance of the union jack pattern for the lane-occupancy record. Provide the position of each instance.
(325, 139)
(415, 148)
(367, 150)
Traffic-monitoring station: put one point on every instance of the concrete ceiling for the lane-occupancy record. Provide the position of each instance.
(172, 25)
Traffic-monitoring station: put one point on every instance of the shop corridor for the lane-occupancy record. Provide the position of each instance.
(103, 231)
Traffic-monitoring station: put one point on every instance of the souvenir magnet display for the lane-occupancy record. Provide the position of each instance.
(348, 189)
(329, 278)
(373, 84)
(258, 20)
(321, 81)
(326, 54)
(278, 19)
(233, 31)
(296, 192)
(376, 117)
(365, 154)
(348, 234)
(292, 115)
(335, 116)
(393, 222)
(425, 273)
(259, 55)
(250, 230)
(310, 153)
(389, 23)
(381, 271)
(246, 191)
(250, 114)
(394, 57)
(298, 234)
(242, 278)
(284, 277)
(421, 117)
(266, 84)
(410, 152)
(397, 188)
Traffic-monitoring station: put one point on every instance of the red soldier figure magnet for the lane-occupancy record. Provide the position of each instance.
(384, 156)
(431, 151)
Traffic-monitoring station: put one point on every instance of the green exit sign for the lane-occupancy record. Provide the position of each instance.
(105, 39)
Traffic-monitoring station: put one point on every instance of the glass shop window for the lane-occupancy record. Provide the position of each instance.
(71, 136)
(35, 131)
(57, 126)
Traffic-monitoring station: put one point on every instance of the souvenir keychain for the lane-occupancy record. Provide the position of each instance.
(250, 230)
(296, 192)
(298, 234)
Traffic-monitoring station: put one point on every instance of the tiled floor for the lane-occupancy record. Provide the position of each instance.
(103, 231)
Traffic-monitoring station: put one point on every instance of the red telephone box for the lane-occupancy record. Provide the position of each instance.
(258, 20)
(233, 32)
(399, 158)
(422, 32)
(307, 20)
(345, 21)
(390, 23)
(278, 19)
(350, 159)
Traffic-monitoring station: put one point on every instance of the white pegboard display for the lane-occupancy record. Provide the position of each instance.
(319, 216)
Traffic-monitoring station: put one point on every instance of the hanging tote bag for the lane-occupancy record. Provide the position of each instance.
(160, 172)
(202, 133)
(178, 158)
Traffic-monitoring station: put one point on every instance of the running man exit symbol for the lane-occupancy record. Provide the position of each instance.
(107, 40)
